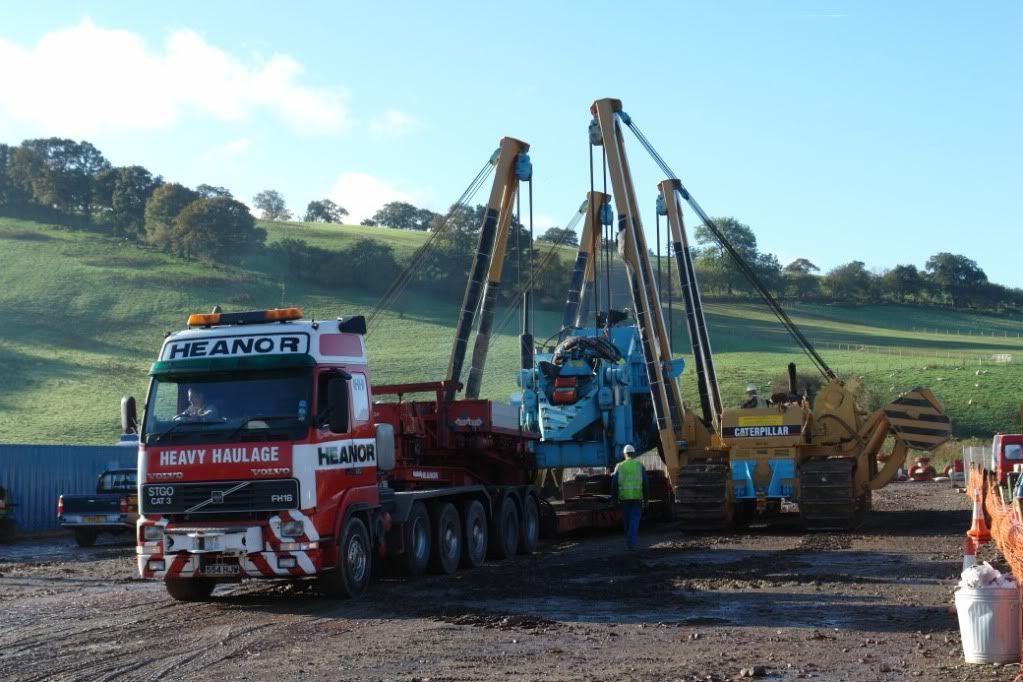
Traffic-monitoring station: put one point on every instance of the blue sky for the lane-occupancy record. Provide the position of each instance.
(877, 131)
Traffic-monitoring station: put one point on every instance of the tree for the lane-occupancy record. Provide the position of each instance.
(368, 222)
(162, 209)
(132, 187)
(902, 281)
(802, 286)
(213, 192)
(212, 229)
(64, 172)
(402, 215)
(850, 282)
(768, 271)
(559, 235)
(324, 211)
(801, 266)
(955, 275)
(13, 194)
(715, 257)
(272, 204)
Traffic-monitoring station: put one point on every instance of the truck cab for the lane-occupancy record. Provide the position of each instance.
(256, 445)
(1006, 452)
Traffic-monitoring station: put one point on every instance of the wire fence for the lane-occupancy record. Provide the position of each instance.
(962, 357)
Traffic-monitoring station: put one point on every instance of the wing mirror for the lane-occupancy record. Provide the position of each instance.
(129, 415)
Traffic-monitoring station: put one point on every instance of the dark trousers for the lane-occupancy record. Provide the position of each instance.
(631, 511)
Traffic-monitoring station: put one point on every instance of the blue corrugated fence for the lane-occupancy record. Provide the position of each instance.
(35, 475)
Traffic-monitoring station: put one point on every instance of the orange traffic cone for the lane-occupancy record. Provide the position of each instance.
(978, 530)
(969, 553)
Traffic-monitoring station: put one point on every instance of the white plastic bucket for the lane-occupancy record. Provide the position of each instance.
(989, 621)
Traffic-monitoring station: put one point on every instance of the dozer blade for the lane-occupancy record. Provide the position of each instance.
(919, 419)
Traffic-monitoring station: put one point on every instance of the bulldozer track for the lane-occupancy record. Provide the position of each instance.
(702, 499)
(827, 499)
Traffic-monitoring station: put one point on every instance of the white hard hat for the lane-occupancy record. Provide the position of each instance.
(751, 388)
(629, 450)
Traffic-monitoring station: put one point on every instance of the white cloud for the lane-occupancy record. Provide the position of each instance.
(363, 194)
(392, 124)
(76, 81)
(237, 147)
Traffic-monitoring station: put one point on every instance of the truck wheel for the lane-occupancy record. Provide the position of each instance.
(354, 563)
(505, 529)
(417, 540)
(476, 535)
(529, 534)
(85, 537)
(7, 531)
(447, 540)
(190, 589)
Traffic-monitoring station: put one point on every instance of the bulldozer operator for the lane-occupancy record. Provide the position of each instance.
(753, 400)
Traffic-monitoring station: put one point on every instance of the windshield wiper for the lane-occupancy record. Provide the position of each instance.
(258, 418)
(176, 425)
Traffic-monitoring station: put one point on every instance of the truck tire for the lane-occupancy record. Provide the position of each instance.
(529, 533)
(476, 533)
(85, 537)
(190, 589)
(417, 540)
(505, 529)
(447, 540)
(354, 563)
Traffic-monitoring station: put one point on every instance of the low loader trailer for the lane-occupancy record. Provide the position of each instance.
(263, 454)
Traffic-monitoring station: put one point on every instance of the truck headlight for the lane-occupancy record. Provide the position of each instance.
(292, 529)
(151, 533)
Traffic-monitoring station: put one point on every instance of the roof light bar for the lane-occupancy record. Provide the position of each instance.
(250, 317)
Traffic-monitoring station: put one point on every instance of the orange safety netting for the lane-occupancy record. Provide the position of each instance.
(1005, 524)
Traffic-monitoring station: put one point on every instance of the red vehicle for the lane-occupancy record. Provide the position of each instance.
(263, 455)
(1006, 451)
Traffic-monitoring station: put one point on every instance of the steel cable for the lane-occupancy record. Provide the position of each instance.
(405, 277)
(744, 267)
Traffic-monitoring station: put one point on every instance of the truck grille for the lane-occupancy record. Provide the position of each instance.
(219, 497)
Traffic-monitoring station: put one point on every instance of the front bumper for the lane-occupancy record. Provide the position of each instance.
(230, 552)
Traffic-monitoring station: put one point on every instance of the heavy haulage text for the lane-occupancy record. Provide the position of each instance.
(243, 455)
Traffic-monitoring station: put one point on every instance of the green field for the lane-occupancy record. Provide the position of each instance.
(83, 317)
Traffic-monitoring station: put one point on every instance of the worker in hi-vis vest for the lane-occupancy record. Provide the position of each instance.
(628, 483)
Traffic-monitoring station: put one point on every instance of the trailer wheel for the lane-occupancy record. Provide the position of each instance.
(190, 589)
(529, 535)
(354, 563)
(447, 540)
(417, 540)
(85, 537)
(476, 535)
(505, 530)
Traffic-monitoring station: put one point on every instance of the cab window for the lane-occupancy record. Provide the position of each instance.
(1013, 451)
(360, 397)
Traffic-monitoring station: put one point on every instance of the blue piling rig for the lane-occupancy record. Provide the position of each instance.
(588, 396)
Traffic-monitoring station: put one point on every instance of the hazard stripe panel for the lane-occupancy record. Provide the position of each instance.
(919, 420)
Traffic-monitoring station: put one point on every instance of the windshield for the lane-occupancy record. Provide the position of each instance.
(117, 482)
(222, 407)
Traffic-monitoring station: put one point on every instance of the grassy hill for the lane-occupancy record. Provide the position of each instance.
(83, 317)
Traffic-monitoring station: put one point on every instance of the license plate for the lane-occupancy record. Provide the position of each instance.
(221, 569)
(94, 519)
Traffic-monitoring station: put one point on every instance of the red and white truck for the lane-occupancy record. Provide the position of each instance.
(263, 454)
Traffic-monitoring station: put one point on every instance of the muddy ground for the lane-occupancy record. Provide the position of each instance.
(864, 606)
